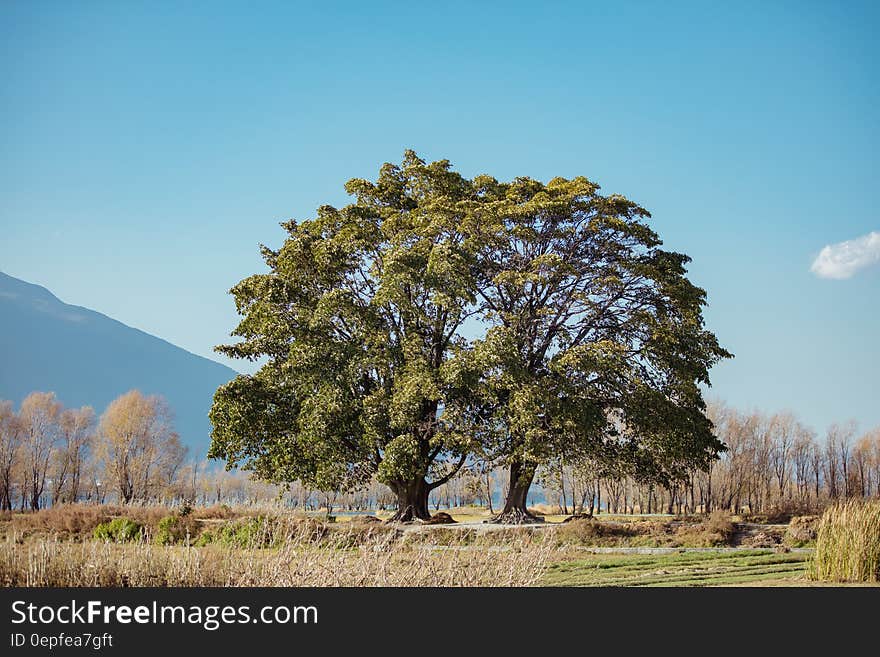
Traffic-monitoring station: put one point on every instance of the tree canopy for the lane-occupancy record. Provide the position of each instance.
(437, 317)
(595, 342)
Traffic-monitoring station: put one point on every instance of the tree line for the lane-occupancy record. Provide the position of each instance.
(50, 454)
(53, 455)
(772, 462)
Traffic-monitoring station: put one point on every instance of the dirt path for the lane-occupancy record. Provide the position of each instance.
(479, 526)
(747, 537)
(617, 550)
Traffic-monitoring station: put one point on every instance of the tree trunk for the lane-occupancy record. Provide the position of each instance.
(562, 488)
(412, 501)
(489, 491)
(708, 506)
(36, 494)
(522, 474)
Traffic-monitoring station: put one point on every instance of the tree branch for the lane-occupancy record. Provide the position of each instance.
(449, 475)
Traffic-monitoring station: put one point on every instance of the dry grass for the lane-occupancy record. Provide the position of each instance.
(238, 527)
(216, 512)
(380, 560)
(802, 531)
(848, 543)
(76, 521)
(740, 568)
(593, 532)
(780, 514)
(56, 548)
(714, 531)
(545, 510)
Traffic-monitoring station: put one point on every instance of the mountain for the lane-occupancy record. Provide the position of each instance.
(87, 358)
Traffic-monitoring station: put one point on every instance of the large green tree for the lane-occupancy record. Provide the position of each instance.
(358, 319)
(596, 345)
(586, 338)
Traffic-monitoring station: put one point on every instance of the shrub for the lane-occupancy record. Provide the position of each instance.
(715, 531)
(207, 537)
(593, 532)
(719, 528)
(119, 530)
(848, 543)
(176, 529)
(256, 532)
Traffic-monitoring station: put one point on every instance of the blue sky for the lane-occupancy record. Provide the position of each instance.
(146, 149)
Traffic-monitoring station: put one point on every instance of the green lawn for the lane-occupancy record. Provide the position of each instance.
(682, 569)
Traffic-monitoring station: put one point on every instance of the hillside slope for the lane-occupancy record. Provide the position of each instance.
(88, 358)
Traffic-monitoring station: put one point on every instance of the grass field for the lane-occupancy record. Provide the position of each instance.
(83, 545)
(737, 568)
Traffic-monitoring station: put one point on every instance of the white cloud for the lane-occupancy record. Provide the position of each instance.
(844, 259)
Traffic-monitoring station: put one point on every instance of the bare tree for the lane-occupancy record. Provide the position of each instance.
(861, 471)
(783, 428)
(874, 438)
(817, 467)
(75, 434)
(140, 450)
(801, 454)
(39, 414)
(838, 447)
(11, 434)
(760, 471)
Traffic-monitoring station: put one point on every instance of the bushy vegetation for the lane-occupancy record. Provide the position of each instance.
(119, 530)
(258, 532)
(593, 532)
(848, 543)
(176, 528)
(718, 529)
